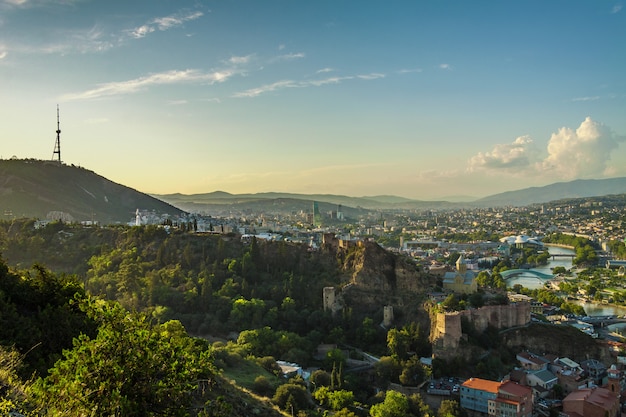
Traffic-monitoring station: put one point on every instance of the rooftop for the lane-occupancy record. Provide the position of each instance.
(482, 385)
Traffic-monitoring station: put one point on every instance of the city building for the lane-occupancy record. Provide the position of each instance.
(513, 400)
(476, 394)
(497, 399)
(592, 402)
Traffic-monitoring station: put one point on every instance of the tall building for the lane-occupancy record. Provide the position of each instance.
(317, 217)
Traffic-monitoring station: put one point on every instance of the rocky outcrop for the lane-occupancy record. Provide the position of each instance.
(564, 340)
(375, 278)
(373, 268)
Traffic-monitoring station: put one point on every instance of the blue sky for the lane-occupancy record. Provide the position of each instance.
(421, 99)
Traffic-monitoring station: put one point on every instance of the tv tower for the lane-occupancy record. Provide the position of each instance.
(57, 145)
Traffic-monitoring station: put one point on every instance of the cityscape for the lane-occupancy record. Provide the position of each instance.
(431, 238)
(312, 209)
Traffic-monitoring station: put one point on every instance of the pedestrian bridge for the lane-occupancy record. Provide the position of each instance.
(510, 273)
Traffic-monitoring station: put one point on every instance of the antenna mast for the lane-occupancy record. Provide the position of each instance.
(57, 145)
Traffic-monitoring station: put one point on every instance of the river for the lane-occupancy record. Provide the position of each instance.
(531, 281)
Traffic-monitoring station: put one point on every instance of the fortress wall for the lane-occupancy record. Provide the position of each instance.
(447, 329)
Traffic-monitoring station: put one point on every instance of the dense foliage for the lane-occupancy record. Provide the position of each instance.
(585, 249)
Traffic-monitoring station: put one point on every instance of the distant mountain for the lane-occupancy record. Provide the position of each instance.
(34, 188)
(556, 191)
(220, 203)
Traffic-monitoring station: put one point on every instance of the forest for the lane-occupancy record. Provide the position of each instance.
(142, 321)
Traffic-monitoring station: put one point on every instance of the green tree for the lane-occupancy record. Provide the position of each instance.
(130, 368)
(450, 408)
(13, 391)
(394, 405)
(291, 397)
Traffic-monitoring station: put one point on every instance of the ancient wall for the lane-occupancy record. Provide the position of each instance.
(446, 331)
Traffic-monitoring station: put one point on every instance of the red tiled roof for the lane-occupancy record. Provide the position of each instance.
(513, 388)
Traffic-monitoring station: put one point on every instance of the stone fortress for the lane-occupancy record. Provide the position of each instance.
(446, 333)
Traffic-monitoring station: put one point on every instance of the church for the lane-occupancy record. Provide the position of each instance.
(462, 280)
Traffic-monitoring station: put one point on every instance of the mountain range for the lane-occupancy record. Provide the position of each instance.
(35, 188)
(220, 200)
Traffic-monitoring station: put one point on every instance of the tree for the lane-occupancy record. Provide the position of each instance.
(387, 369)
(394, 405)
(344, 412)
(13, 391)
(292, 397)
(320, 378)
(334, 399)
(130, 368)
(263, 386)
(450, 408)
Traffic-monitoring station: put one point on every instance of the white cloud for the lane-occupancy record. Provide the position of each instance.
(280, 85)
(325, 81)
(240, 60)
(163, 23)
(572, 153)
(591, 98)
(141, 31)
(139, 84)
(580, 153)
(616, 9)
(445, 66)
(372, 76)
(288, 57)
(86, 40)
(324, 70)
(409, 71)
(513, 156)
(3, 52)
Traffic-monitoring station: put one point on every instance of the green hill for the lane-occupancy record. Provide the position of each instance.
(44, 189)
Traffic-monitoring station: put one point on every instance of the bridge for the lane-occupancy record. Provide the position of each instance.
(563, 255)
(516, 272)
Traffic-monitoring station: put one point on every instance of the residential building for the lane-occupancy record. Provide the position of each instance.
(541, 381)
(476, 394)
(592, 402)
(596, 370)
(501, 399)
(513, 400)
(530, 361)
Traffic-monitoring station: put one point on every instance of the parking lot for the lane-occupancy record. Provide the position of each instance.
(444, 386)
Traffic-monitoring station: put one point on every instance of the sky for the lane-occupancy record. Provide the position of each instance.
(421, 99)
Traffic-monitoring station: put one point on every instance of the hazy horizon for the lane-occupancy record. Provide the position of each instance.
(422, 100)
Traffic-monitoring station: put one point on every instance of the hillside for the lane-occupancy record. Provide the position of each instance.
(556, 191)
(33, 188)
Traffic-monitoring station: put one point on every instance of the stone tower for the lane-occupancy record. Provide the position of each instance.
(387, 316)
(329, 298)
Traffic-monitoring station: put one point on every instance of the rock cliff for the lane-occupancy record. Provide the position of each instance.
(375, 277)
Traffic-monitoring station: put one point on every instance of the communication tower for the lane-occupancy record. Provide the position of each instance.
(57, 144)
